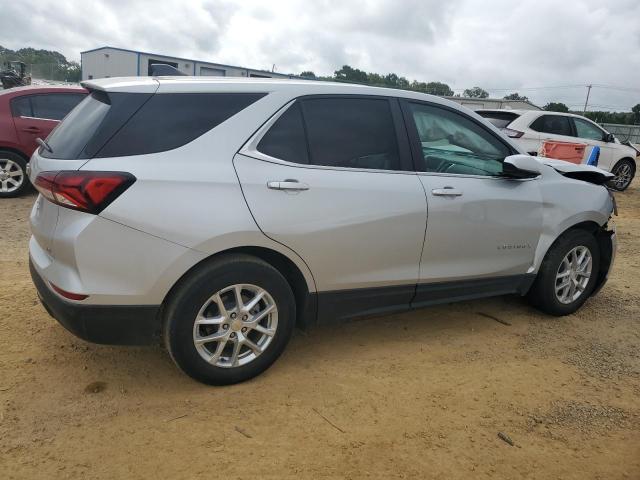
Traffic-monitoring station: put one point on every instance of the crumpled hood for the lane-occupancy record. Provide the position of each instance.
(586, 173)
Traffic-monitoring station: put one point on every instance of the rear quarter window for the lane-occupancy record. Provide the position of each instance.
(170, 120)
(499, 119)
(124, 124)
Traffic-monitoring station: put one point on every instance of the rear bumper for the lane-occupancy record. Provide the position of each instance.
(106, 324)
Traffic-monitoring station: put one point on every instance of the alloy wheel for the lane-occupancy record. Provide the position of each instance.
(623, 175)
(235, 325)
(573, 274)
(11, 176)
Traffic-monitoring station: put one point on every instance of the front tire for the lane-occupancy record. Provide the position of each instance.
(567, 275)
(13, 174)
(229, 320)
(624, 172)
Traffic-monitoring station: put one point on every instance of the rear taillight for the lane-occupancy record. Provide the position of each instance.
(512, 133)
(89, 192)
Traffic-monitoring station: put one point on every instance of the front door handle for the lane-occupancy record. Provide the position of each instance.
(31, 130)
(446, 192)
(289, 184)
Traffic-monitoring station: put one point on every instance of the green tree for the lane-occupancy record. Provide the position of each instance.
(308, 74)
(47, 64)
(349, 74)
(438, 88)
(475, 92)
(516, 96)
(636, 113)
(556, 107)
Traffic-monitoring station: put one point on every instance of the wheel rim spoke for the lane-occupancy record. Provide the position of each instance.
(573, 274)
(235, 334)
(218, 352)
(256, 349)
(11, 176)
(216, 337)
(236, 351)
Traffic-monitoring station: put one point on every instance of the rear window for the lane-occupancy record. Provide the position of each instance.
(499, 119)
(69, 138)
(123, 124)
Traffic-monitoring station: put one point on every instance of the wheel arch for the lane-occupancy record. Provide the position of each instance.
(4, 148)
(305, 298)
(602, 236)
(14, 151)
(631, 159)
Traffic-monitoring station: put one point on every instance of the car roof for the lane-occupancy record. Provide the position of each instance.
(29, 89)
(184, 84)
(505, 110)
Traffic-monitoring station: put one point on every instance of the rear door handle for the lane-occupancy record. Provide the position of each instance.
(31, 129)
(446, 192)
(289, 184)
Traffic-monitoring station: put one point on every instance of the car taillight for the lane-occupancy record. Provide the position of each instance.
(512, 133)
(89, 192)
(69, 295)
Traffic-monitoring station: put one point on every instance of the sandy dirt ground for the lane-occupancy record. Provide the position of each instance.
(418, 395)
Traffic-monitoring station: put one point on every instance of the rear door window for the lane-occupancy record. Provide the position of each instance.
(553, 124)
(351, 132)
(286, 139)
(21, 107)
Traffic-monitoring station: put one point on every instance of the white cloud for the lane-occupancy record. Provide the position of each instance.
(494, 44)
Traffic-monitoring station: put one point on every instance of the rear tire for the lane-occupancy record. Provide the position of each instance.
(561, 287)
(624, 172)
(214, 338)
(13, 174)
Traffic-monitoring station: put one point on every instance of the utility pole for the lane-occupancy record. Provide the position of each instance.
(587, 100)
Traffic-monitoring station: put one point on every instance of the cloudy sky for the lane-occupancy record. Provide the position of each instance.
(545, 49)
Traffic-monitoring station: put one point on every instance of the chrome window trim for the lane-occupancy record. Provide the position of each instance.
(486, 177)
(39, 118)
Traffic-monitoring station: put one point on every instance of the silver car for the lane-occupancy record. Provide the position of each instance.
(217, 214)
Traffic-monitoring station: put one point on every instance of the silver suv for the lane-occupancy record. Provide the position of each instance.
(218, 214)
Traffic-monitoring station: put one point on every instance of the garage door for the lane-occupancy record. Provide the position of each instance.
(212, 72)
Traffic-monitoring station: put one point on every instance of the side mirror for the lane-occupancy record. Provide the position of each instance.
(521, 166)
(609, 137)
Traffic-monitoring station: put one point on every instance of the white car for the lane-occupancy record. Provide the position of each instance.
(216, 214)
(532, 128)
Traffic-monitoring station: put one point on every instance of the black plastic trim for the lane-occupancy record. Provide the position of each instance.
(363, 302)
(105, 324)
(445, 292)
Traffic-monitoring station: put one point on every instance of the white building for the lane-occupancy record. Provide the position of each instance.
(494, 103)
(107, 62)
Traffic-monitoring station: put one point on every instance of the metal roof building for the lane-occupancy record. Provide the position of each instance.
(105, 62)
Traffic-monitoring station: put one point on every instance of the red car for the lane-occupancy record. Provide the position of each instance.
(27, 113)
